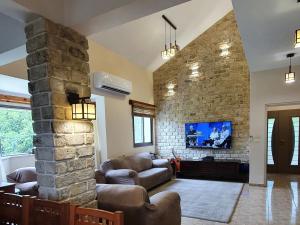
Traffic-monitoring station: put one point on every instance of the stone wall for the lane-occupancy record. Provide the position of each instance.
(219, 93)
(57, 63)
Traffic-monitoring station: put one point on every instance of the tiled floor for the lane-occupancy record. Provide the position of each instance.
(276, 204)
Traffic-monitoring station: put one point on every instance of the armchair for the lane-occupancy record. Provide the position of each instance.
(162, 208)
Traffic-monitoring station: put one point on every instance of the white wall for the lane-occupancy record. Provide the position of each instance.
(267, 88)
(12, 163)
(118, 133)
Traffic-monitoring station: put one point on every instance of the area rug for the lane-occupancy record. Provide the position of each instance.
(207, 200)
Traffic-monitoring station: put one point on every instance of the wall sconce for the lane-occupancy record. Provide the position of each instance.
(297, 38)
(225, 49)
(82, 108)
(194, 67)
(170, 87)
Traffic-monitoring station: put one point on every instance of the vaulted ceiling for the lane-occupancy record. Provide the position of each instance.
(267, 28)
(142, 40)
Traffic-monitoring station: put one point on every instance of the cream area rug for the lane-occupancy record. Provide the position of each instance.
(202, 199)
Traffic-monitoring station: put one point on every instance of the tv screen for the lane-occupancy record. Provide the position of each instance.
(214, 135)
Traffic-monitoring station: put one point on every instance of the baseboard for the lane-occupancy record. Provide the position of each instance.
(257, 185)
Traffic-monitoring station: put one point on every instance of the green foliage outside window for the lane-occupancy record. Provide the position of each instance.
(15, 131)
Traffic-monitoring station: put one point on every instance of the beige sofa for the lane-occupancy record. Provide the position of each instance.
(162, 208)
(139, 169)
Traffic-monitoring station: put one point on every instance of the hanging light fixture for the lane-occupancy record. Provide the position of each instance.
(165, 53)
(82, 108)
(290, 76)
(297, 38)
(170, 52)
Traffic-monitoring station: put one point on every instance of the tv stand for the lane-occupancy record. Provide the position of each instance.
(213, 170)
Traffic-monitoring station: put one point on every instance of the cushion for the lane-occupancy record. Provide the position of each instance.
(28, 188)
(153, 177)
(23, 175)
(121, 163)
(129, 195)
(140, 161)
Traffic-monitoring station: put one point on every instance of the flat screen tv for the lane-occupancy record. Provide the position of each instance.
(212, 135)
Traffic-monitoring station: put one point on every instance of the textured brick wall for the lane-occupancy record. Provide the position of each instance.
(221, 92)
(57, 63)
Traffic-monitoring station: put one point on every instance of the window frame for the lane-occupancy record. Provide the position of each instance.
(148, 113)
(142, 144)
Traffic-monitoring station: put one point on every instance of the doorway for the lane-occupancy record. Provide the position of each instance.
(283, 141)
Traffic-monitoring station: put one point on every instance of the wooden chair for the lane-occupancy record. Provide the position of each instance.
(14, 209)
(44, 212)
(85, 216)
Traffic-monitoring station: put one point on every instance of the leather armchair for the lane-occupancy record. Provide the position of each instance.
(25, 180)
(162, 208)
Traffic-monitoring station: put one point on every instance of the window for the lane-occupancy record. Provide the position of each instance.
(271, 122)
(295, 158)
(142, 131)
(142, 115)
(15, 131)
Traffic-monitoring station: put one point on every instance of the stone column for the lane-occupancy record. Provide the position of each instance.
(57, 63)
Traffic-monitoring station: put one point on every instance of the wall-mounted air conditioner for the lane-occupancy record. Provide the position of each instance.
(109, 82)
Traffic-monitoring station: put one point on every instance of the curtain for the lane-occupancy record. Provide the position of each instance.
(2, 171)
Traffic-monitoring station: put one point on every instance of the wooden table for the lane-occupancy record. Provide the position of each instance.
(7, 187)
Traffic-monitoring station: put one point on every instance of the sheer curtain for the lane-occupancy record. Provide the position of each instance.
(2, 171)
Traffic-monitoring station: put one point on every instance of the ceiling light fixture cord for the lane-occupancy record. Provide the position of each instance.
(165, 35)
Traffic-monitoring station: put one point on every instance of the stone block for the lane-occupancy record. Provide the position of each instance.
(84, 198)
(40, 100)
(43, 153)
(37, 42)
(89, 139)
(46, 180)
(42, 127)
(39, 26)
(79, 77)
(43, 140)
(83, 127)
(59, 140)
(53, 112)
(38, 72)
(78, 188)
(83, 151)
(63, 127)
(40, 166)
(64, 153)
(74, 139)
(76, 164)
(58, 99)
(36, 114)
(65, 180)
(85, 174)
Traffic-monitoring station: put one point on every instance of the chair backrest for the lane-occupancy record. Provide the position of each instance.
(44, 212)
(86, 216)
(14, 209)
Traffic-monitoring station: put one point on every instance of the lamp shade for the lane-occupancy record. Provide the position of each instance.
(297, 38)
(289, 77)
(84, 111)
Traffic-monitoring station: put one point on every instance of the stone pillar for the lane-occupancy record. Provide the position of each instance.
(57, 63)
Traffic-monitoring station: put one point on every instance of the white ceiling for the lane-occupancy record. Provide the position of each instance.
(267, 28)
(87, 17)
(141, 41)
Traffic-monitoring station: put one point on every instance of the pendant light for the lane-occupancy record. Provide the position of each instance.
(290, 76)
(164, 53)
(170, 51)
(297, 38)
